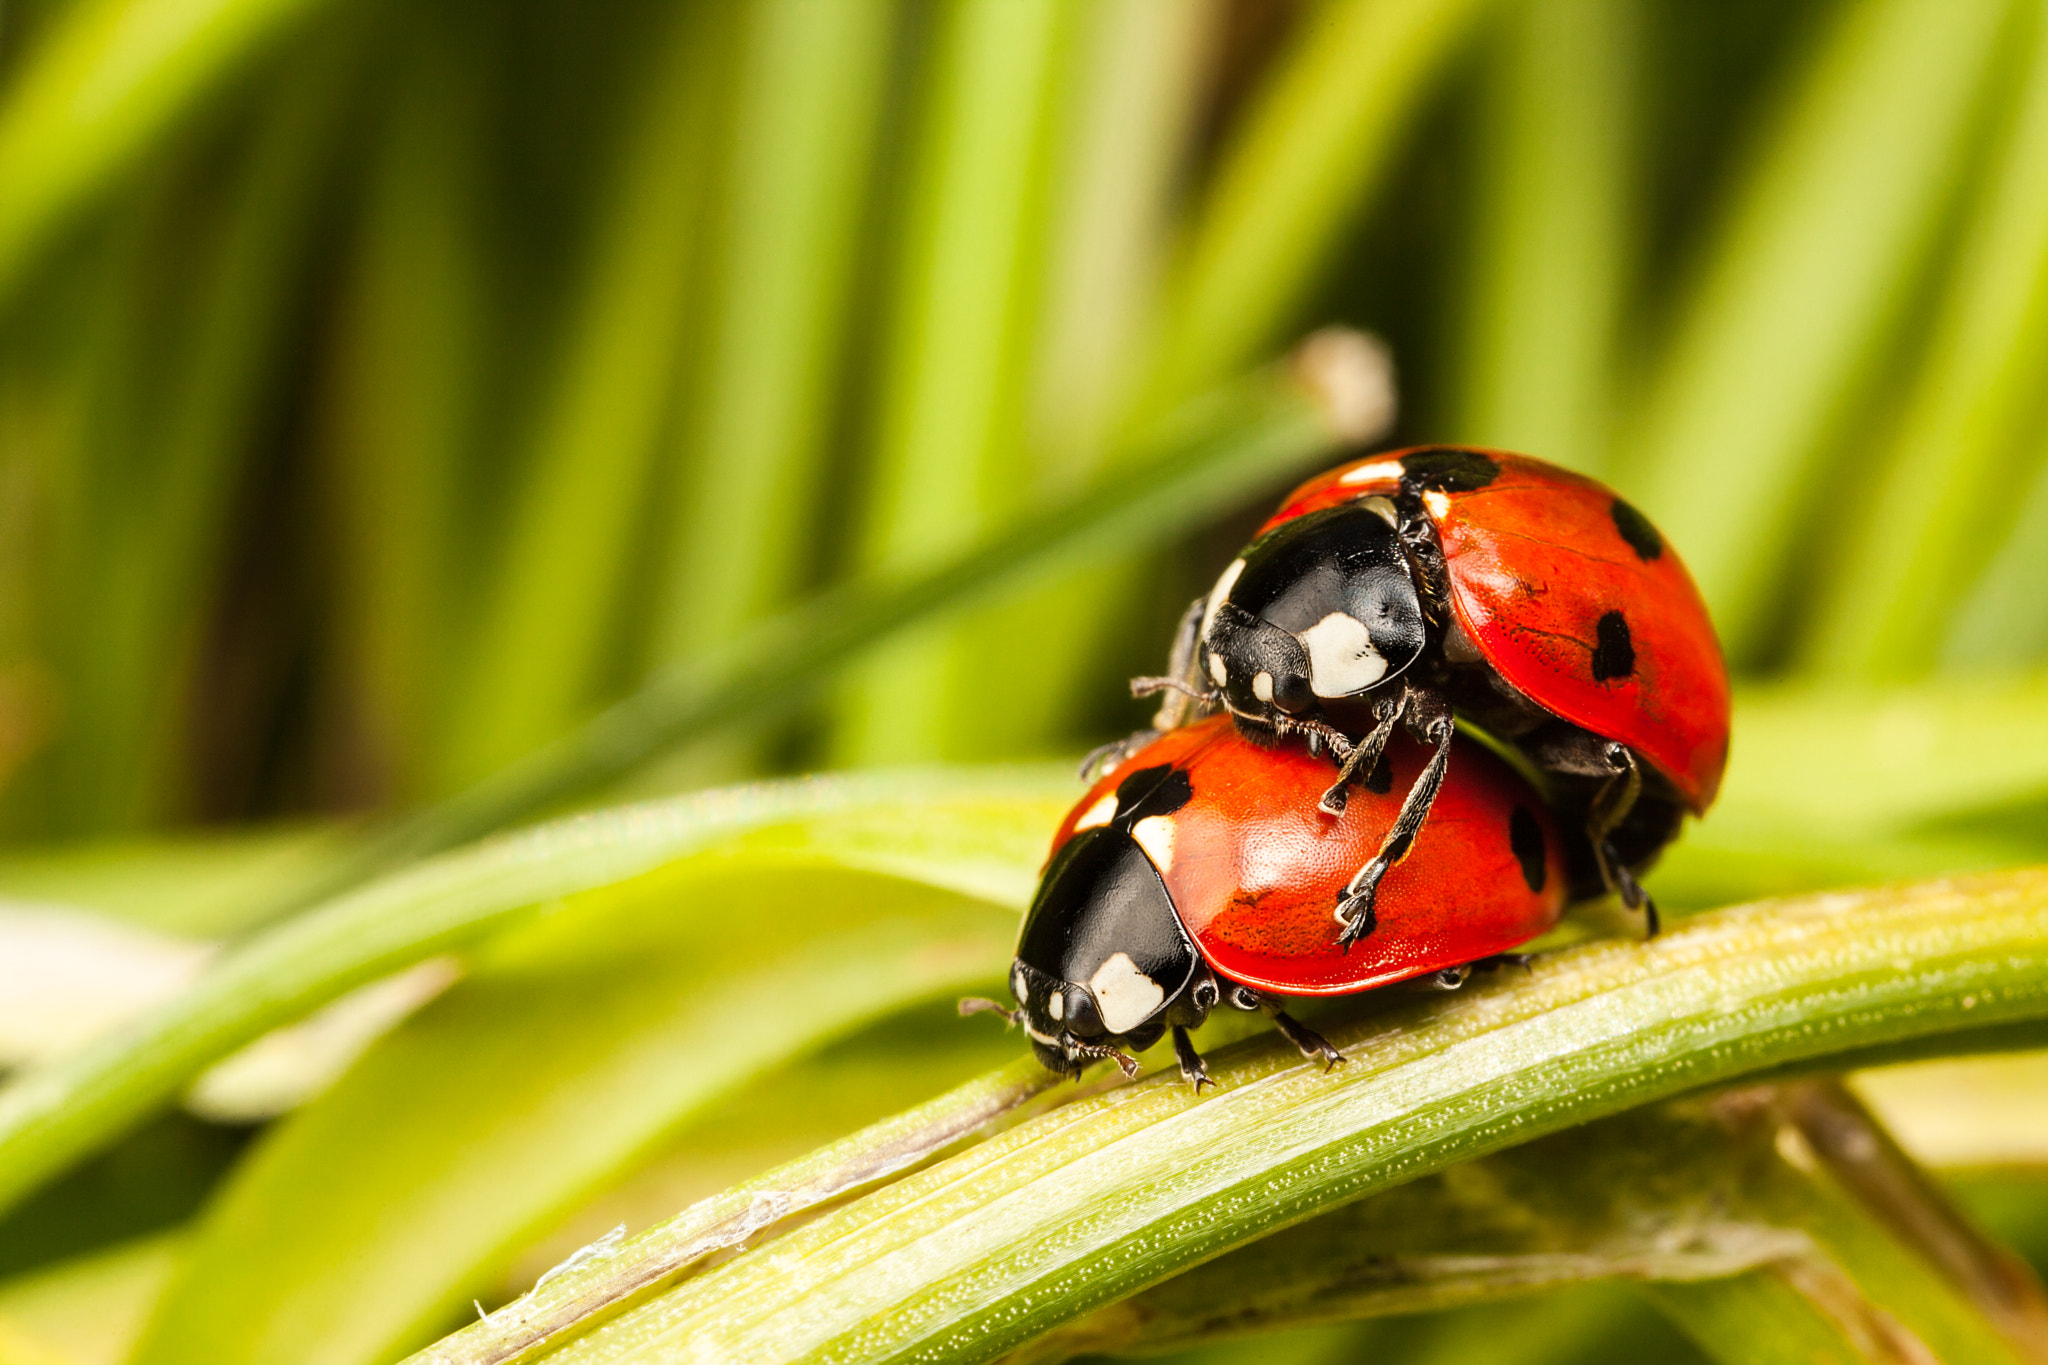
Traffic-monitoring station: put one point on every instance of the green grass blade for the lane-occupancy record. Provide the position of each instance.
(1108, 1195)
(51, 1116)
(547, 626)
(1801, 293)
(577, 1043)
(401, 428)
(945, 445)
(1677, 1193)
(1300, 166)
(106, 81)
(182, 397)
(1114, 191)
(1213, 453)
(808, 100)
(1972, 414)
(1552, 232)
(1999, 622)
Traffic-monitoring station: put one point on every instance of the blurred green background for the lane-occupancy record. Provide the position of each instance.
(383, 387)
(388, 386)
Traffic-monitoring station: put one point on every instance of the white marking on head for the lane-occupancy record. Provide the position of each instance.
(1437, 502)
(1101, 813)
(1383, 508)
(1220, 594)
(1262, 685)
(1341, 657)
(1154, 834)
(1056, 1005)
(1127, 996)
(1217, 670)
(1048, 1039)
(1018, 985)
(1373, 473)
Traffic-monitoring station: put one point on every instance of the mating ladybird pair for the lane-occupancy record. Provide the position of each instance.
(1305, 817)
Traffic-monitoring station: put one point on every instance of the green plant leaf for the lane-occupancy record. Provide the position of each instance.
(577, 1043)
(1300, 166)
(1971, 413)
(53, 1115)
(1801, 293)
(105, 82)
(1108, 1195)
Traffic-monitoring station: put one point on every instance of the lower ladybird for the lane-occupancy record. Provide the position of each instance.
(1200, 873)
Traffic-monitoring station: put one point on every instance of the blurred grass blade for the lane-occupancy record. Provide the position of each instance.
(182, 397)
(106, 80)
(808, 100)
(1115, 185)
(547, 627)
(1212, 453)
(1802, 291)
(53, 1115)
(1972, 414)
(1802, 1313)
(87, 1309)
(1299, 168)
(945, 443)
(546, 1074)
(1552, 231)
(2000, 621)
(1108, 1195)
(407, 390)
(1864, 762)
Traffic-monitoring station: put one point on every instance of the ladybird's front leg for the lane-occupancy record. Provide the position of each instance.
(1192, 1068)
(1355, 905)
(1365, 757)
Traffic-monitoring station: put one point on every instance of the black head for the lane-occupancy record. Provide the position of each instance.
(1319, 608)
(1103, 957)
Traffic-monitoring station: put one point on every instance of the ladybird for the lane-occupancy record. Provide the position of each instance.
(1200, 873)
(1405, 590)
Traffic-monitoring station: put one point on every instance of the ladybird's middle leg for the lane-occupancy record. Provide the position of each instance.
(1355, 906)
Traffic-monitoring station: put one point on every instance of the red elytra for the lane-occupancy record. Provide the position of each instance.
(1536, 557)
(1254, 868)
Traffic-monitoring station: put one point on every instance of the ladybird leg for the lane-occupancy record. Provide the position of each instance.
(1616, 798)
(1193, 697)
(1354, 908)
(1312, 1045)
(1365, 756)
(1192, 1068)
(1103, 757)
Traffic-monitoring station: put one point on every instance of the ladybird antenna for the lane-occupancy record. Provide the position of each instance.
(981, 1004)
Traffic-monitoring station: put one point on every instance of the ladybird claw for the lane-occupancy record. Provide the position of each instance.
(1355, 913)
(1334, 800)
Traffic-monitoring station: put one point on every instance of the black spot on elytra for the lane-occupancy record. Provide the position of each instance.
(1635, 528)
(1160, 790)
(1449, 470)
(1380, 780)
(1614, 656)
(1525, 837)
